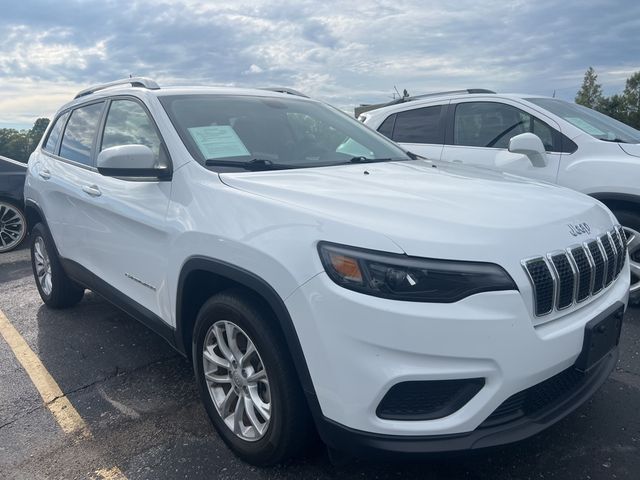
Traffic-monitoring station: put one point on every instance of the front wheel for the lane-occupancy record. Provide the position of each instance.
(56, 289)
(247, 381)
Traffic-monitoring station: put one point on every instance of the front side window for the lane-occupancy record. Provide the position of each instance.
(589, 121)
(54, 134)
(420, 125)
(225, 131)
(128, 124)
(80, 133)
(492, 125)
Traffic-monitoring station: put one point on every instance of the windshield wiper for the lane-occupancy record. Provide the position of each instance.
(370, 160)
(255, 165)
(615, 140)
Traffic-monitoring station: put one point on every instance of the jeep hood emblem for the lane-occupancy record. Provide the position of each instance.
(579, 229)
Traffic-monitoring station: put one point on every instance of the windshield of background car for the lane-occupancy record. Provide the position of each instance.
(293, 133)
(589, 121)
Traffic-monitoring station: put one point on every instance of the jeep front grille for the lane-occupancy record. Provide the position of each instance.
(564, 278)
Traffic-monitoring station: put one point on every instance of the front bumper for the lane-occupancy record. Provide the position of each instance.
(357, 347)
(364, 443)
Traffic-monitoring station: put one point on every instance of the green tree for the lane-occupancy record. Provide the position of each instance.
(614, 106)
(631, 97)
(18, 145)
(36, 132)
(590, 94)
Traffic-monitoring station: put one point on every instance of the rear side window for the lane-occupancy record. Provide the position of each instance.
(421, 125)
(386, 128)
(80, 133)
(128, 124)
(54, 134)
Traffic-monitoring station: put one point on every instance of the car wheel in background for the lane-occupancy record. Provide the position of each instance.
(13, 226)
(631, 224)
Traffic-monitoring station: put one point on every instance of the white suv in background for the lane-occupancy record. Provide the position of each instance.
(317, 274)
(580, 148)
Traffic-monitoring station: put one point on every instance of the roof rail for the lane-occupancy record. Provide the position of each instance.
(450, 92)
(365, 108)
(287, 90)
(133, 81)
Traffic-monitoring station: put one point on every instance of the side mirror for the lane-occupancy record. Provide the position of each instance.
(130, 161)
(530, 145)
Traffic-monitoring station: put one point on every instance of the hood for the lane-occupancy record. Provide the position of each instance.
(630, 148)
(435, 209)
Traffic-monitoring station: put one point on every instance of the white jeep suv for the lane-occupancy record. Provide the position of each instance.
(579, 148)
(319, 276)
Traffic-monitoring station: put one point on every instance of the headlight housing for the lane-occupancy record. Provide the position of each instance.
(400, 277)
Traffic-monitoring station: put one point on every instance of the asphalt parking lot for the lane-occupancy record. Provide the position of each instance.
(142, 418)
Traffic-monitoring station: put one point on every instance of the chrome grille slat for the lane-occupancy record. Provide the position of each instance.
(565, 278)
(615, 238)
(599, 265)
(585, 269)
(611, 259)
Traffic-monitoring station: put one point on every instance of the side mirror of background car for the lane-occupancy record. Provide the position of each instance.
(530, 145)
(131, 161)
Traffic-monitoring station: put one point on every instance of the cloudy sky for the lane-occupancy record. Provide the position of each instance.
(343, 52)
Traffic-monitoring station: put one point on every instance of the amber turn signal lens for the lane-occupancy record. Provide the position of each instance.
(346, 267)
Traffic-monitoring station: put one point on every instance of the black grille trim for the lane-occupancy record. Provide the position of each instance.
(534, 399)
(428, 399)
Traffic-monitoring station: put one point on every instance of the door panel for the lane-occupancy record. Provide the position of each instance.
(125, 235)
(124, 219)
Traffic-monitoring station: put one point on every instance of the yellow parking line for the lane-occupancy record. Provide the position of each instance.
(55, 400)
(110, 474)
(66, 416)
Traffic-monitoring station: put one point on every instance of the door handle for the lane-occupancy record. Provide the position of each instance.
(457, 161)
(45, 174)
(92, 190)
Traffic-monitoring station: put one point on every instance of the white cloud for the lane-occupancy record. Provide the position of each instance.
(342, 52)
(253, 69)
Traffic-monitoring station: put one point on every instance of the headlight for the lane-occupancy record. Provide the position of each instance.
(401, 277)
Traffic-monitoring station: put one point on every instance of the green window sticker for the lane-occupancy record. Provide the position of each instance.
(218, 141)
(353, 148)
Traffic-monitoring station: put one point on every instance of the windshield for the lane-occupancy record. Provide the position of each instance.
(589, 121)
(256, 133)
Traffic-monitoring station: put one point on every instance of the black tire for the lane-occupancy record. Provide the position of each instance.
(290, 429)
(64, 292)
(12, 213)
(631, 219)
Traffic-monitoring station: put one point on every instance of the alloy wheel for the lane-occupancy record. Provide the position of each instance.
(633, 244)
(43, 265)
(12, 227)
(237, 380)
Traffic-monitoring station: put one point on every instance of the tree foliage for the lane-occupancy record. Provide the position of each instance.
(624, 107)
(590, 94)
(18, 144)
